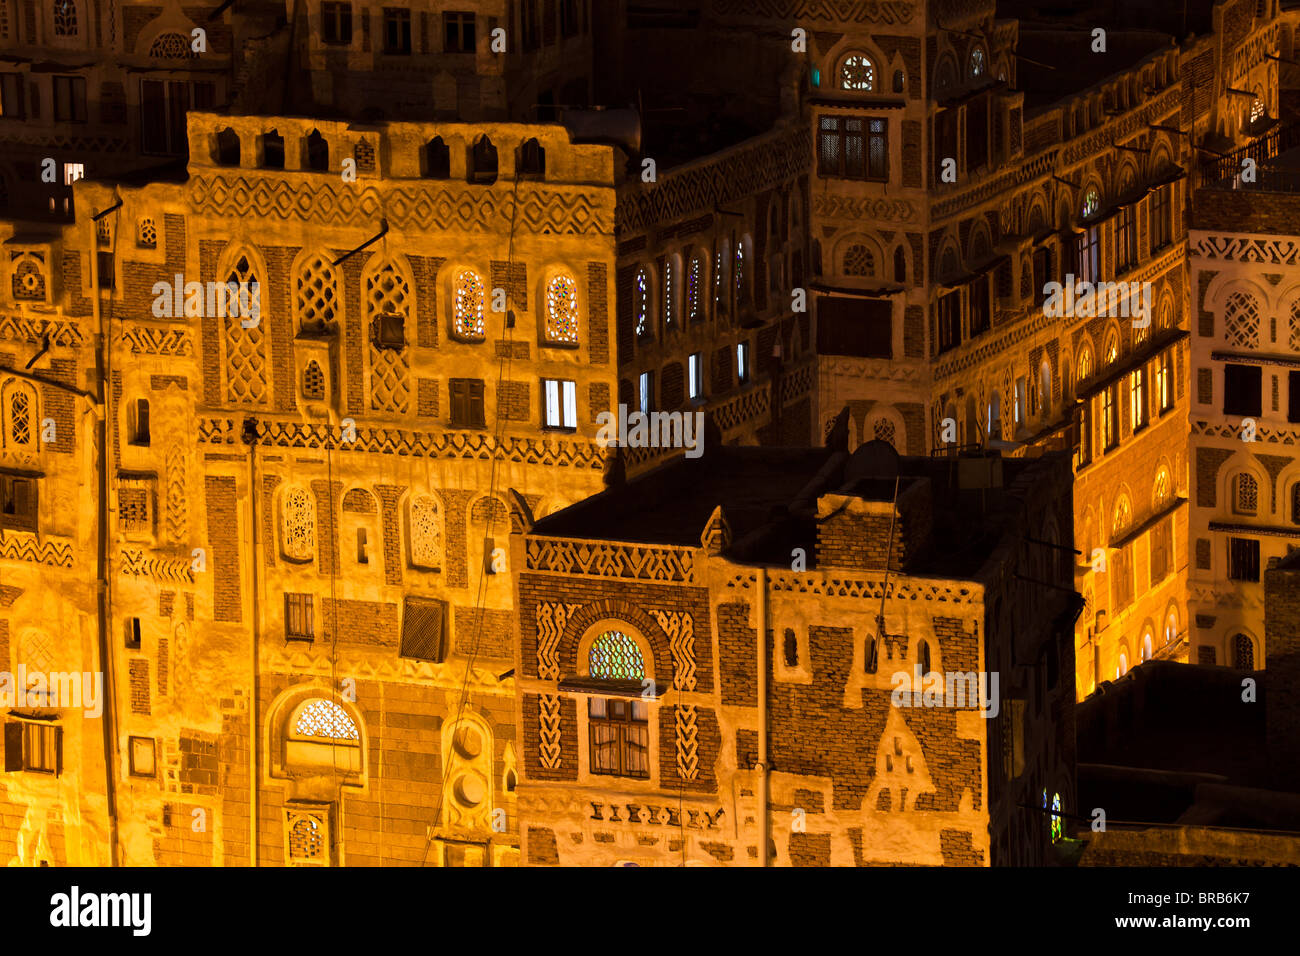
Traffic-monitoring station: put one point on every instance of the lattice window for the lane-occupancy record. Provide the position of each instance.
(29, 279)
(316, 293)
(1295, 326)
(615, 656)
(858, 74)
(1241, 320)
(1243, 653)
(133, 509)
(883, 430)
(467, 305)
(22, 417)
(740, 270)
(978, 63)
(1245, 494)
(246, 381)
(65, 18)
(562, 310)
(388, 293)
(426, 532)
(1162, 488)
(693, 279)
(103, 232)
(313, 381)
(859, 261)
(325, 719)
(670, 293)
(641, 302)
(721, 258)
(146, 234)
(307, 838)
(172, 46)
(1123, 516)
(299, 519)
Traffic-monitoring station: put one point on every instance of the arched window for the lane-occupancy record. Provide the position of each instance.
(1258, 110)
(20, 416)
(1163, 489)
(435, 159)
(977, 62)
(317, 152)
(670, 293)
(1245, 494)
(531, 159)
(1243, 653)
(900, 265)
(1295, 503)
(923, 656)
(298, 517)
(1241, 320)
(272, 150)
(1123, 517)
(388, 304)
(1045, 388)
(858, 261)
(172, 46)
(1147, 650)
(858, 73)
(246, 361)
(425, 532)
(483, 162)
(1091, 203)
(1084, 369)
(1122, 667)
(641, 302)
(615, 656)
(882, 429)
(1112, 349)
(324, 719)
(316, 294)
(467, 306)
(227, 147)
(694, 280)
(65, 18)
(1171, 627)
(562, 310)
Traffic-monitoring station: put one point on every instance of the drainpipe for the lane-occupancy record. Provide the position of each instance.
(249, 437)
(765, 823)
(103, 370)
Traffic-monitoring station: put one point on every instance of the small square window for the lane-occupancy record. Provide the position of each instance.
(131, 629)
(298, 617)
(142, 757)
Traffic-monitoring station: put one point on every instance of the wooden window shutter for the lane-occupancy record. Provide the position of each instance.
(13, 746)
(58, 750)
(424, 629)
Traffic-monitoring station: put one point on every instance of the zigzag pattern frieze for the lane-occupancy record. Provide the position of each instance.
(1278, 252)
(383, 666)
(137, 563)
(23, 546)
(919, 590)
(546, 210)
(397, 441)
(878, 12)
(1232, 432)
(88, 144)
(749, 169)
(598, 559)
(548, 719)
(552, 618)
(146, 341)
(854, 208)
(680, 628)
(687, 734)
(22, 328)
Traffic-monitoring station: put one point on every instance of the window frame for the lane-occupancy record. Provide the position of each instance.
(622, 726)
(466, 406)
(565, 405)
(336, 23)
(65, 98)
(395, 24)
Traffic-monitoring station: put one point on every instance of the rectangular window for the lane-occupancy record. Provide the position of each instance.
(142, 757)
(853, 147)
(945, 140)
(977, 133)
(298, 617)
(458, 33)
(1165, 381)
(33, 746)
(139, 424)
(163, 105)
(1022, 388)
(11, 95)
(424, 629)
(1243, 390)
(105, 271)
(620, 737)
(1138, 398)
(1121, 570)
(131, 633)
(695, 367)
(980, 306)
(742, 363)
(467, 403)
(949, 321)
(336, 23)
(69, 99)
(397, 31)
(1243, 559)
(646, 391)
(1293, 397)
(72, 172)
(1109, 418)
(560, 399)
(1161, 232)
(1088, 256)
(17, 503)
(1160, 541)
(1085, 435)
(1042, 263)
(1125, 245)
(568, 18)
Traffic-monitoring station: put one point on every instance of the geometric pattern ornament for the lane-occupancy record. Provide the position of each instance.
(681, 644)
(685, 720)
(552, 618)
(615, 656)
(1241, 320)
(324, 718)
(387, 292)
(548, 719)
(172, 46)
(562, 310)
(246, 380)
(316, 293)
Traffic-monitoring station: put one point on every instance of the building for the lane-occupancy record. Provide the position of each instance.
(656, 729)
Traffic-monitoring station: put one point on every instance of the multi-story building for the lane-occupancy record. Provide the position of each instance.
(723, 660)
(308, 611)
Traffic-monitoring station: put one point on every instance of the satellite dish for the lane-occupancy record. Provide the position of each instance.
(874, 459)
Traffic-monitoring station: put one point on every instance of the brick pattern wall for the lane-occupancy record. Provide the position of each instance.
(367, 623)
(598, 313)
(224, 560)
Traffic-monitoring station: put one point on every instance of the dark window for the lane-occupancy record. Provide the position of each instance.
(272, 151)
(1293, 397)
(1087, 252)
(435, 160)
(131, 633)
(532, 159)
(467, 403)
(1295, 503)
(397, 30)
(1085, 434)
(1110, 417)
(1243, 653)
(898, 81)
(568, 18)
(949, 321)
(1121, 572)
(228, 147)
(336, 23)
(11, 95)
(900, 265)
(69, 99)
(1042, 267)
(483, 161)
(318, 152)
(869, 661)
(1243, 390)
(33, 746)
(1161, 231)
(1160, 551)
(620, 737)
(458, 33)
(105, 271)
(980, 308)
(298, 617)
(1243, 559)
(853, 147)
(923, 656)
(977, 133)
(791, 649)
(1125, 236)
(162, 116)
(945, 141)
(424, 629)
(855, 327)
(18, 503)
(139, 426)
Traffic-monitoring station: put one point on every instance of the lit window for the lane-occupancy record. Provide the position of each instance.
(562, 310)
(468, 305)
(615, 656)
(695, 367)
(646, 390)
(742, 362)
(693, 279)
(641, 302)
(1091, 203)
(325, 719)
(977, 63)
(72, 172)
(561, 401)
(858, 74)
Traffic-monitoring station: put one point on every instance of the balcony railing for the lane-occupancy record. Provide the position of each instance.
(1226, 171)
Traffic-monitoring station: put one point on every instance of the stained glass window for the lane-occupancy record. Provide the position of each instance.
(1058, 822)
(562, 310)
(324, 718)
(468, 305)
(740, 267)
(65, 18)
(693, 289)
(1257, 110)
(719, 276)
(1091, 203)
(858, 74)
(641, 302)
(615, 656)
(977, 62)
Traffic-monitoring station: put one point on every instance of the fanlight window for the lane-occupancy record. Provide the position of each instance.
(325, 719)
(20, 428)
(172, 46)
(562, 310)
(468, 305)
(615, 656)
(1241, 320)
(858, 74)
(859, 261)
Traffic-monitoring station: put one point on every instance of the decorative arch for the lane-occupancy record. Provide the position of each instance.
(945, 72)
(1256, 489)
(311, 731)
(171, 45)
(317, 303)
(560, 323)
(1243, 650)
(859, 256)
(979, 244)
(633, 635)
(246, 350)
(389, 302)
(468, 304)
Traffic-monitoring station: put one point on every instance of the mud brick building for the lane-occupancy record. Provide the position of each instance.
(309, 609)
(649, 706)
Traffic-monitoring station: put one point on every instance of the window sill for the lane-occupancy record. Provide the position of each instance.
(560, 429)
(567, 346)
